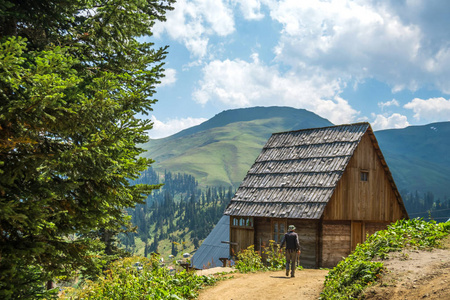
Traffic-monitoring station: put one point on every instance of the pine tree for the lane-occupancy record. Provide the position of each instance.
(174, 249)
(73, 79)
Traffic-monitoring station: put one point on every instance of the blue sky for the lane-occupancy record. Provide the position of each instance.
(384, 62)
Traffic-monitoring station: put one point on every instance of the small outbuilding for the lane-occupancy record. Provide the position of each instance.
(214, 247)
(332, 183)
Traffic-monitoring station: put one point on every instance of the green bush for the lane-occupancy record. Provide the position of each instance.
(140, 278)
(249, 261)
(276, 260)
(358, 270)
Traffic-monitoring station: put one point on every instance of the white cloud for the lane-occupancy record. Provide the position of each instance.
(163, 129)
(360, 39)
(238, 83)
(433, 109)
(393, 102)
(193, 22)
(169, 78)
(251, 9)
(393, 121)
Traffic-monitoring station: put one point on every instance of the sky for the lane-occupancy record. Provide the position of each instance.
(382, 62)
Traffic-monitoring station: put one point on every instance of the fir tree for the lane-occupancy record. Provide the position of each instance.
(74, 78)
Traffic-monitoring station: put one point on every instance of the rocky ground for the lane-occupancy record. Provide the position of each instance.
(415, 275)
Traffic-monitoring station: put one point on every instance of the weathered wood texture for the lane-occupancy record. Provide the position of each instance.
(332, 183)
(240, 239)
(339, 238)
(336, 243)
(371, 200)
(372, 227)
(296, 173)
(307, 235)
(263, 233)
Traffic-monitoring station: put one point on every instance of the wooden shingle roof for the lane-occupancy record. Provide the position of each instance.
(296, 173)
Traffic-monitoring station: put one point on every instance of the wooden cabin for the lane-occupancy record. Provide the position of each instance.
(332, 183)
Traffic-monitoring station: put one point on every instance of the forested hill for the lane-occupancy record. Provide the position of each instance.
(177, 217)
(418, 157)
(202, 166)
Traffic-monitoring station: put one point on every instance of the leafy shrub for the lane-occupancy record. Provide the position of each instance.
(358, 270)
(276, 260)
(140, 278)
(249, 261)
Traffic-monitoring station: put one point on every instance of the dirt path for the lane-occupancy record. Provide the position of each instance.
(410, 274)
(268, 285)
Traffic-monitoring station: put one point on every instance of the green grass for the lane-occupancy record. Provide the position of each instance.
(185, 244)
(218, 156)
(221, 150)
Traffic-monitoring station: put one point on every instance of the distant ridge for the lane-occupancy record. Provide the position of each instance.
(227, 117)
(418, 157)
(221, 150)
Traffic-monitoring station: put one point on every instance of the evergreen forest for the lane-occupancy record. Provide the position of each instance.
(177, 217)
(426, 206)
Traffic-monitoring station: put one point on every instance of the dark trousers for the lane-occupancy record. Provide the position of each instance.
(291, 259)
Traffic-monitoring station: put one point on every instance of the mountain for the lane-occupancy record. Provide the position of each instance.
(418, 157)
(221, 150)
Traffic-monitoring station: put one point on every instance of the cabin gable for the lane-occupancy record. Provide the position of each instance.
(365, 191)
(332, 183)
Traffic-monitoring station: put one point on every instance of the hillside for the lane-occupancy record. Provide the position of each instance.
(415, 275)
(221, 150)
(418, 157)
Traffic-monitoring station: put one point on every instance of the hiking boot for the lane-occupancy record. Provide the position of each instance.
(292, 275)
(287, 273)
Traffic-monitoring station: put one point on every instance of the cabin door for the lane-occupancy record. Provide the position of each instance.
(358, 236)
(242, 234)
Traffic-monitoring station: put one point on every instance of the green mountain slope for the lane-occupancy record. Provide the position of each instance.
(221, 150)
(418, 157)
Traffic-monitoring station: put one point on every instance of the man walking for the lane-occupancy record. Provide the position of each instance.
(292, 249)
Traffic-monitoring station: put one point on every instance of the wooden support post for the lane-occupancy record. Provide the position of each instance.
(224, 261)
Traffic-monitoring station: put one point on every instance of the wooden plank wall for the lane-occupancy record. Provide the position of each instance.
(336, 242)
(263, 232)
(372, 227)
(307, 231)
(244, 237)
(372, 200)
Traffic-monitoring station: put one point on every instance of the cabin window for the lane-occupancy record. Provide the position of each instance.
(364, 176)
(278, 230)
(242, 221)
